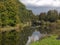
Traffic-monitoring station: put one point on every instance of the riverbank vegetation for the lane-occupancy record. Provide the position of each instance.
(48, 41)
(50, 21)
(14, 18)
(50, 24)
(16, 22)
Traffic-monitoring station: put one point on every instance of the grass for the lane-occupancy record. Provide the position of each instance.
(48, 41)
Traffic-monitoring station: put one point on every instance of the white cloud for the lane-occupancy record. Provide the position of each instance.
(55, 3)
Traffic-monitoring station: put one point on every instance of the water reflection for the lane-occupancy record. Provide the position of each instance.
(36, 35)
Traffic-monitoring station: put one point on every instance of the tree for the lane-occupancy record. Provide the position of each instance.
(42, 16)
(13, 12)
(59, 15)
(52, 15)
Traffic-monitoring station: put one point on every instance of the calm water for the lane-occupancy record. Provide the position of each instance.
(36, 35)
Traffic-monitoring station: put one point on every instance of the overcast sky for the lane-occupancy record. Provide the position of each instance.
(41, 4)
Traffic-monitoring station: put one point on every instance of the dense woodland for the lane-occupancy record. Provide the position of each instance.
(50, 21)
(13, 12)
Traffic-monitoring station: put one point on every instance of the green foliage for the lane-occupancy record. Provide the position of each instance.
(13, 12)
(52, 15)
(15, 38)
(48, 41)
(42, 16)
(25, 33)
(8, 12)
(8, 38)
(49, 21)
